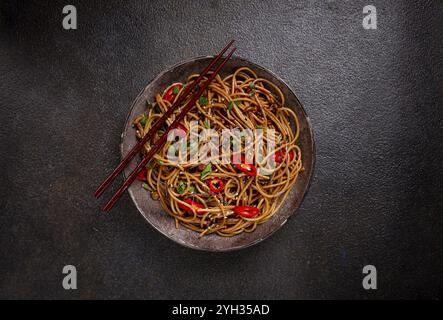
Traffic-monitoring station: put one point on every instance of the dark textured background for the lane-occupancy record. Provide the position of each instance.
(374, 97)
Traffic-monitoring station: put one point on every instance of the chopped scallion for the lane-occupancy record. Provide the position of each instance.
(207, 170)
(146, 186)
(203, 101)
(143, 120)
(181, 187)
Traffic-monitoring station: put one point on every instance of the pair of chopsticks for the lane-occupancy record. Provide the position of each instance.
(161, 141)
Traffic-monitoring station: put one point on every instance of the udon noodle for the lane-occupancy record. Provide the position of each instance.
(224, 198)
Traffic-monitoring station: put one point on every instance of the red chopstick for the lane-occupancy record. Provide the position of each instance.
(136, 149)
(161, 141)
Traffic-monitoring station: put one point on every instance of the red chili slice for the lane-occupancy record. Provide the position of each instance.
(169, 93)
(182, 127)
(182, 133)
(142, 175)
(193, 204)
(216, 185)
(279, 156)
(246, 211)
(249, 169)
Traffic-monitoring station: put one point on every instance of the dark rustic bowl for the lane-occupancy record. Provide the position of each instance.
(152, 210)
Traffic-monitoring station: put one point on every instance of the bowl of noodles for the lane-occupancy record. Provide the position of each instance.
(237, 167)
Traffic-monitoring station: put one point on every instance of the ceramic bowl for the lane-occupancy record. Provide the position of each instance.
(152, 210)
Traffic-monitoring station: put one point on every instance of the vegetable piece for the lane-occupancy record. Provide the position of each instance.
(206, 123)
(203, 101)
(146, 186)
(251, 89)
(181, 187)
(279, 156)
(216, 185)
(246, 211)
(207, 170)
(231, 104)
(183, 128)
(143, 120)
(249, 169)
(170, 94)
(191, 189)
(142, 175)
(150, 165)
(191, 204)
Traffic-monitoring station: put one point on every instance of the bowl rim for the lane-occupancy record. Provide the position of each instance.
(272, 231)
